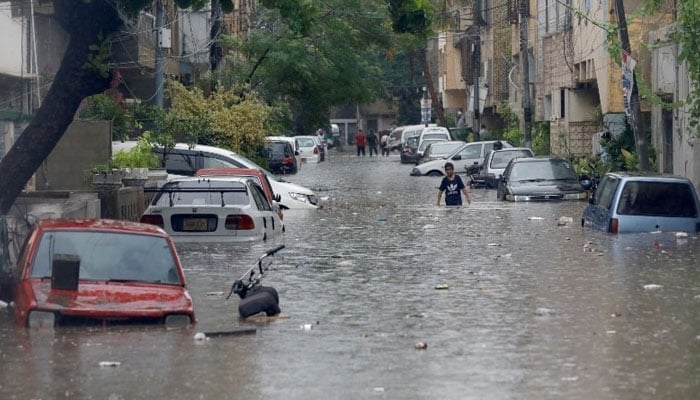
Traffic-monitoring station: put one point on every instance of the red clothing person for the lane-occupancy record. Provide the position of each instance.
(360, 142)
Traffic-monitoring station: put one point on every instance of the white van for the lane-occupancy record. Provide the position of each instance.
(430, 135)
(397, 137)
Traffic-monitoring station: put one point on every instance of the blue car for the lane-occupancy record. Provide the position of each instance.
(626, 202)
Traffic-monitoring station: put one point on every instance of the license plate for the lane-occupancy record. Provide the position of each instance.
(194, 224)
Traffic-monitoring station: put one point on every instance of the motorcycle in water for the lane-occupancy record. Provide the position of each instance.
(256, 298)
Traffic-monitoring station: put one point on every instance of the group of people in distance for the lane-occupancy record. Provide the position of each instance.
(371, 140)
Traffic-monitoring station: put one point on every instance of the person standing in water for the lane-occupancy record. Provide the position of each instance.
(453, 187)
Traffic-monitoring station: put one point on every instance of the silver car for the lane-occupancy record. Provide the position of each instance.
(643, 203)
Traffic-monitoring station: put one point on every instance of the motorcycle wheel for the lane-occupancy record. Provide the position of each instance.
(261, 301)
(268, 289)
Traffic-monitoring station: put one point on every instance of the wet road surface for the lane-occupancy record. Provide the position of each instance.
(532, 309)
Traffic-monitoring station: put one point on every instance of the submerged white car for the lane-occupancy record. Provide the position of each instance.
(186, 160)
(216, 208)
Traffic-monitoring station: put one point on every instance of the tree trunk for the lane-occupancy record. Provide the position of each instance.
(87, 23)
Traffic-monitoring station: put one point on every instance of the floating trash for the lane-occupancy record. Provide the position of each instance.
(421, 345)
(544, 311)
(652, 286)
(534, 218)
(200, 336)
(442, 286)
(565, 221)
(215, 294)
(109, 364)
(681, 234)
(306, 327)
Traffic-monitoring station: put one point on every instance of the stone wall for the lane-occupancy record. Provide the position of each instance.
(572, 138)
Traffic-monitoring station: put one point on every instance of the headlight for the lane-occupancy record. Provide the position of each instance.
(41, 319)
(512, 197)
(415, 172)
(304, 198)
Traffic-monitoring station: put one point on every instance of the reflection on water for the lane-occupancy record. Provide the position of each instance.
(533, 310)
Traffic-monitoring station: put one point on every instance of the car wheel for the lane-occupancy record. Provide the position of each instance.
(256, 303)
(434, 173)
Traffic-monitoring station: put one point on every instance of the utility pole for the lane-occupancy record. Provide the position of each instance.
(476, 68)
(159, 67)
(636, 114)
(525, 60)
(216, 53)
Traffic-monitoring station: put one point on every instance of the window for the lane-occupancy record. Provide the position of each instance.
(470, 152)
(650, 198)
(606, 190)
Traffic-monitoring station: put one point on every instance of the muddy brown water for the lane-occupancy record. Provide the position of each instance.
(531, 309)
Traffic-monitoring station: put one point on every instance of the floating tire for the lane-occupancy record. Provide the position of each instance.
(255, 303)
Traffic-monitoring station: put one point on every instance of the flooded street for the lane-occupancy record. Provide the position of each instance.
(532, 309)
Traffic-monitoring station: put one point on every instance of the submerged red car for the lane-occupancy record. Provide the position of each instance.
(99, 271)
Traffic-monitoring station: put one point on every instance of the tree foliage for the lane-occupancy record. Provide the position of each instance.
(312, 57)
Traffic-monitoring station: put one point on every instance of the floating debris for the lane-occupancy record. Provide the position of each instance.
(200, 336)
(681, 234)
(544, 311)
(652, 286)
(534, 218)
(421, 345)
(306, 327)
(442, 286)
(493, 244)
(109, 364)
(565, 221)
(215, 293)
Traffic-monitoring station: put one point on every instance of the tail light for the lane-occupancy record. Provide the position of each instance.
(288, 161)
(316, 150)
(239, 222)
(153, 220)
(614, 225)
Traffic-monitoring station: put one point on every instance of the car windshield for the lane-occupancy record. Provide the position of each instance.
(654, 198)
(108, 256)
(501, 158)
(203, 192)
(412, 141)
(543, 170)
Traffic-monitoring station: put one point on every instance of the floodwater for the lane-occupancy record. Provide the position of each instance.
(532, 309)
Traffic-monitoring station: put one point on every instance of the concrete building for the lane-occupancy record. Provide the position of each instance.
(574, 81)
(675, 139)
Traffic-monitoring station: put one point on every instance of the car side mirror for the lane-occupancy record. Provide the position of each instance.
(457, 157)
(296, 152)
(277, 198)
(586, 183)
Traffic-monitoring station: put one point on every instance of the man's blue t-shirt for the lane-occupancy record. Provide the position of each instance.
(452, 189)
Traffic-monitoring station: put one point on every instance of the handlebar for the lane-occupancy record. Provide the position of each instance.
(274, 250)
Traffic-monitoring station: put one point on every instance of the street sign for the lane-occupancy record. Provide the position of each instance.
(425, 107)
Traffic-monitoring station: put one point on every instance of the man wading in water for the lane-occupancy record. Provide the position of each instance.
(453, 185)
